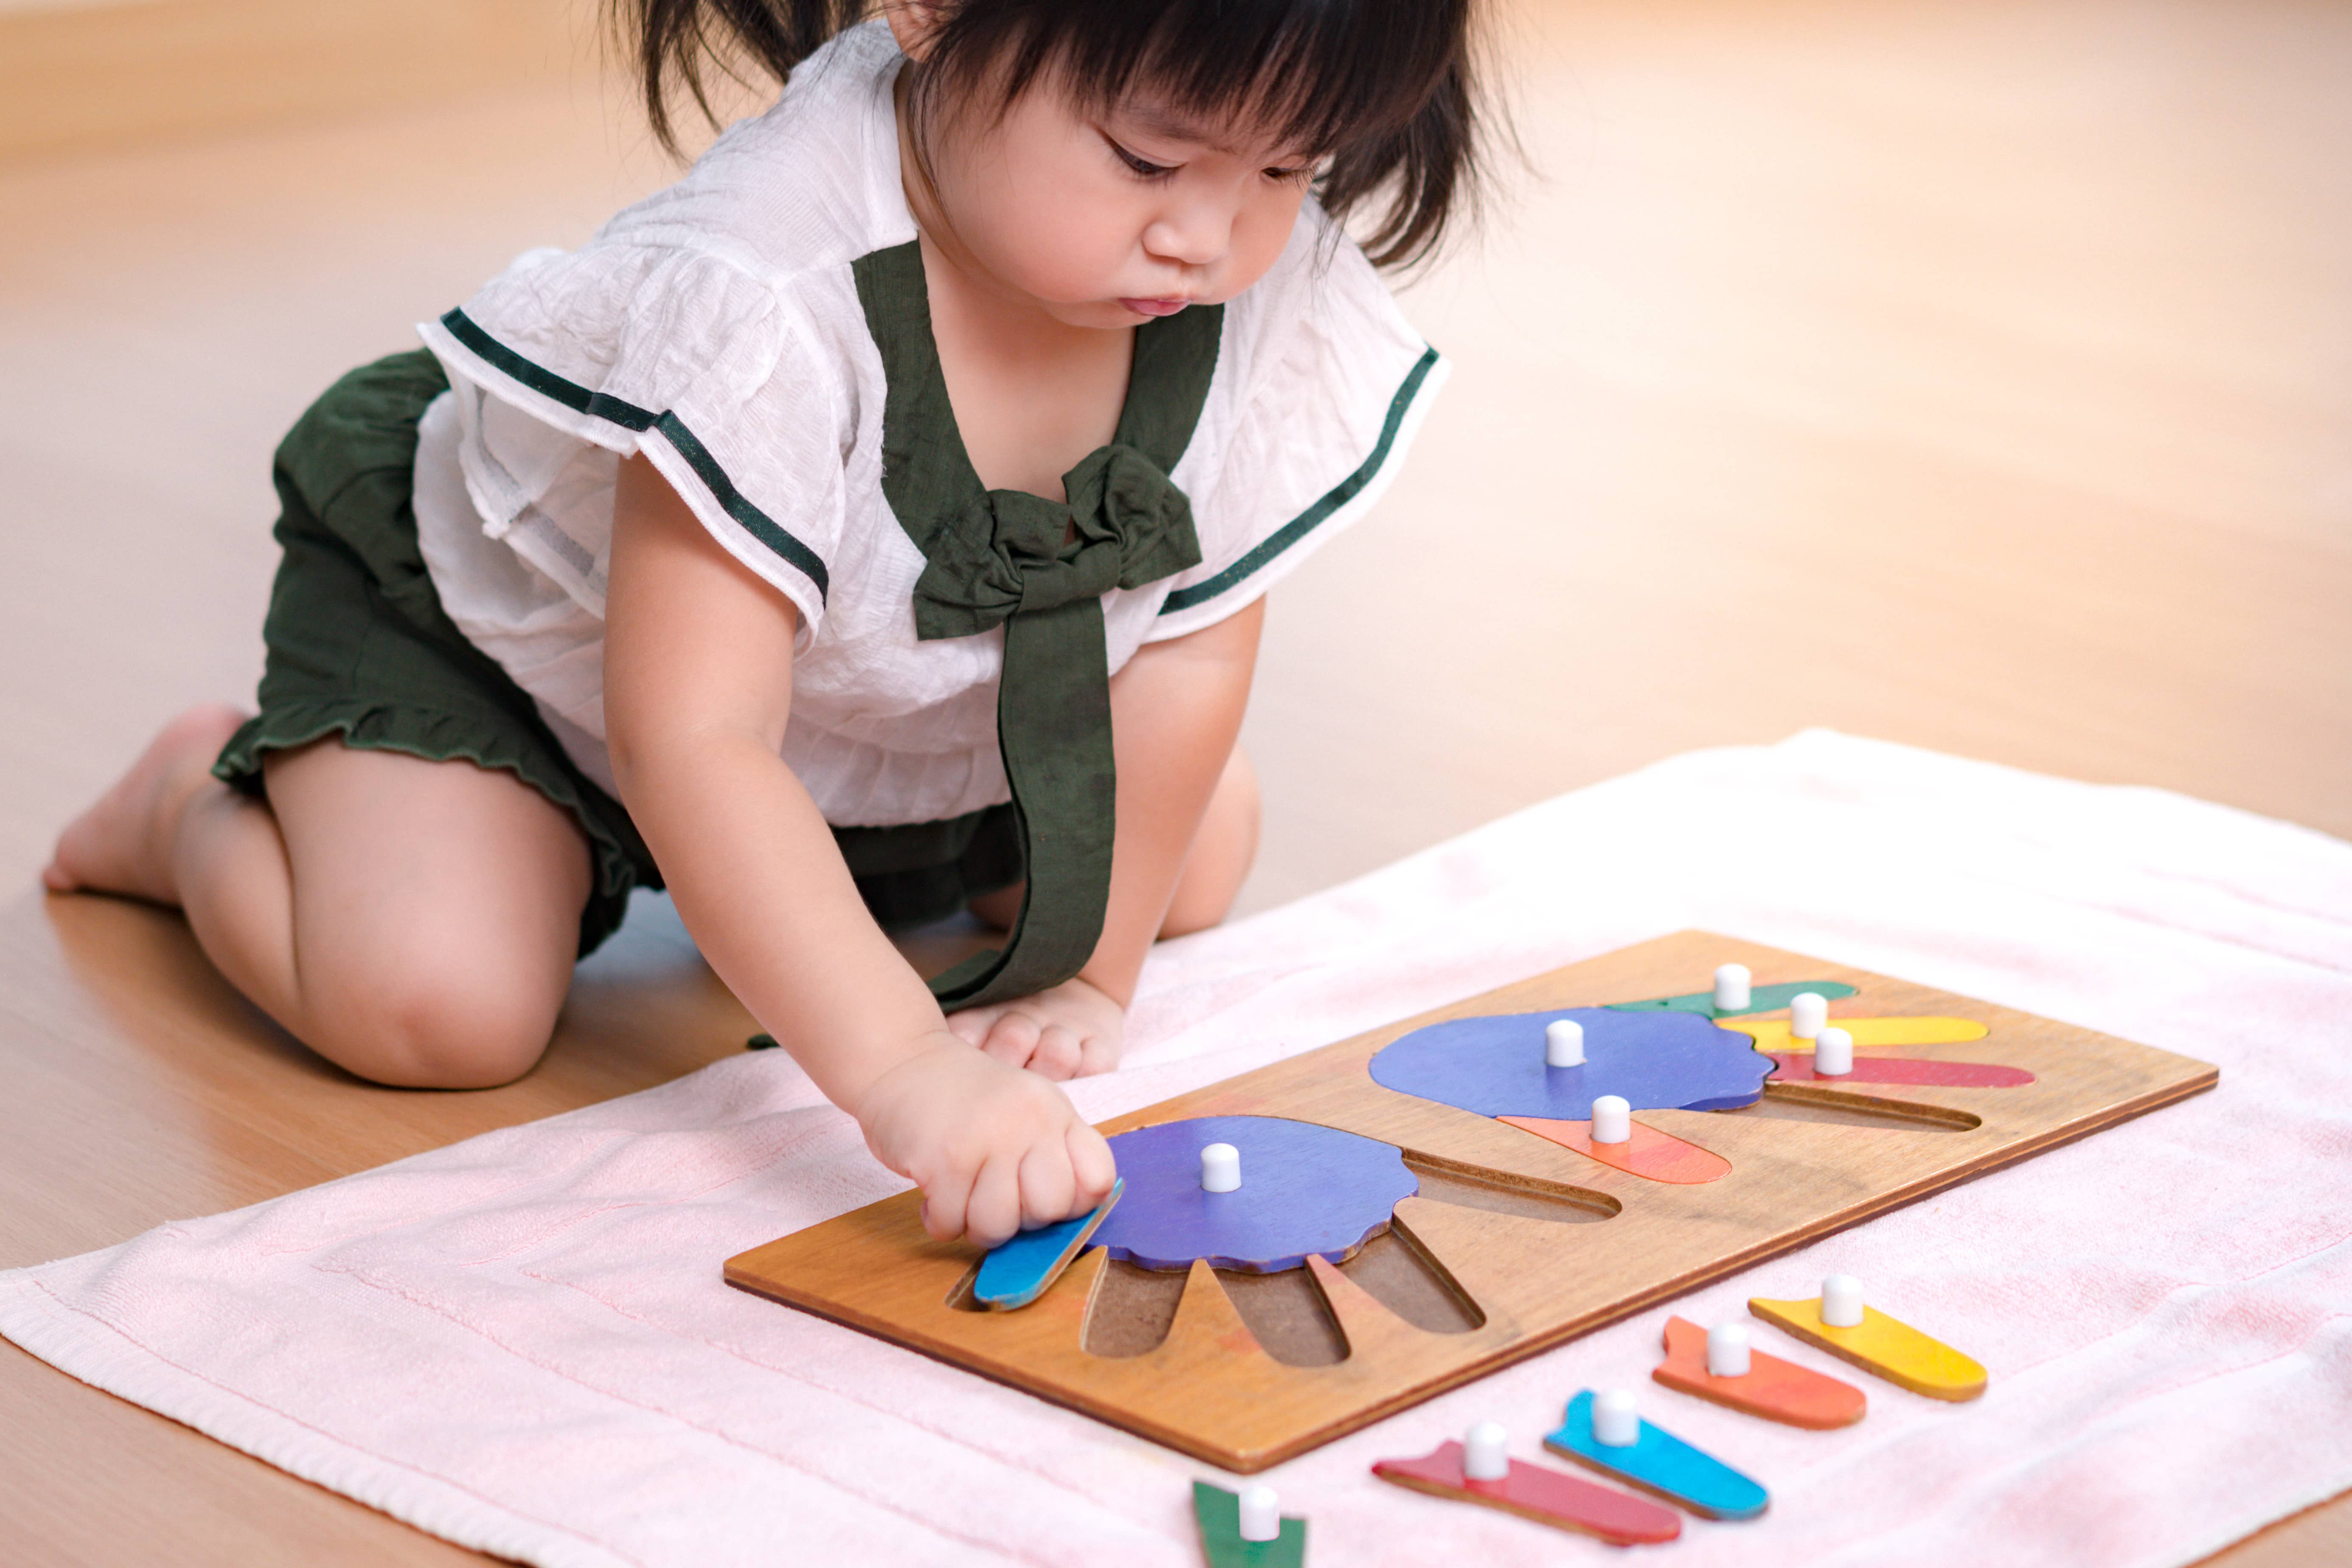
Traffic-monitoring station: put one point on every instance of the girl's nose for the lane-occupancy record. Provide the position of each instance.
(1196, 233)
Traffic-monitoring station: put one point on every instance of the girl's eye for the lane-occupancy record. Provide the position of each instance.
(1298, 172)
(1145, 169)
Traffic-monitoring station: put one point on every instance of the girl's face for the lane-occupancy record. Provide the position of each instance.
(1108, 218)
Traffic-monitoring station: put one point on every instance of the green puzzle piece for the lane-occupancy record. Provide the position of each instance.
(1760, 999)
(1219, 1512)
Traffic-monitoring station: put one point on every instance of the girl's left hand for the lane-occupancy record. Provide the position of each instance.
(1071, 1031)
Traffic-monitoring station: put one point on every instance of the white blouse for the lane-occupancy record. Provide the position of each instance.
(714, 328)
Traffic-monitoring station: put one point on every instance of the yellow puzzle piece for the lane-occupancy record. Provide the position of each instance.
(1892, 1349)
(1772, 1034)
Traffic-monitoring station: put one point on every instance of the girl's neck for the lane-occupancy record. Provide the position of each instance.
(1032, 393)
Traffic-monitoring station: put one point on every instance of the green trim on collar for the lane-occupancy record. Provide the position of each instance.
(1338, 495)
(630, 417)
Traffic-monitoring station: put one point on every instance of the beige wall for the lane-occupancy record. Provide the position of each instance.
(77, 75)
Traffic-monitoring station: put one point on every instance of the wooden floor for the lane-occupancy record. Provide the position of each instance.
(1978, 375)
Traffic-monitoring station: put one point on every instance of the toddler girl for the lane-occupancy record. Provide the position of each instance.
(874, 523)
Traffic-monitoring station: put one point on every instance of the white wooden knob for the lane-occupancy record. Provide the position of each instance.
(1612, 1120)
(1221, 1168)
(1731, 988)
(1486, 1455)
(1615, 1420)
(1563, 1044)
(1832, 1053)
(1808, 1011)
(1841, 1301)
(1261, 1514)
(1726, 1350)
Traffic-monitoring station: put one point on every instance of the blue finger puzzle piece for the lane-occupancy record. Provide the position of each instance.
(1661, 1462)
(1017, 1272)
(1657, 1060)
(1219, 1514)
(1760, 999)
(1306, 1189)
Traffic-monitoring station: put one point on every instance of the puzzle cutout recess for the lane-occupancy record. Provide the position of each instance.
(1311, 1247)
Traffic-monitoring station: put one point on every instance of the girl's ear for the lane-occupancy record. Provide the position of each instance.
(915, 24)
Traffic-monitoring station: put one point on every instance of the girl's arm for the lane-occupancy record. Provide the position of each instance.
(698, 686)
(1176, 711)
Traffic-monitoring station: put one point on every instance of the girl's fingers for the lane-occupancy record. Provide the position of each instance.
(993, 1215)
(1097, 1054)
(1093, 1167)
(1048, 1191)
(945, 1199)
(1057, 1052)
(1012, 1038)
(971, 1026)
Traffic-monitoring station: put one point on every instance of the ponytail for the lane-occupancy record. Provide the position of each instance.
(675, 42)
(1387, 90)
(1428, 169)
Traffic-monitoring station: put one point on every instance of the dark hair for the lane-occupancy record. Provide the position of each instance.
(1384, 90)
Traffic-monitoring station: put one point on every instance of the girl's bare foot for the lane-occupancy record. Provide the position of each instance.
(123, 844)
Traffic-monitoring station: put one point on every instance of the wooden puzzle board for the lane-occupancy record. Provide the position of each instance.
(1515, 1244)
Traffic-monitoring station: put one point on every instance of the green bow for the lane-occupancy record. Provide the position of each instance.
(1011, 552)
(1039, 568)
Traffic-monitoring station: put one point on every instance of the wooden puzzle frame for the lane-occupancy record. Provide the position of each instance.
(1517, 1245)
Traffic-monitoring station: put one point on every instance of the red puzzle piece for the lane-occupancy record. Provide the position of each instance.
(1546, 1496)
(1797, 1067)
(1775, 1389)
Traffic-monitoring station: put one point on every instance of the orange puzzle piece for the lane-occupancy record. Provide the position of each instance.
(1660, 1156)
(1775, 1389)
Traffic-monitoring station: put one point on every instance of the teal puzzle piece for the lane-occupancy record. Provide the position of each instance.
(1219, 1514)
(1661, 1462)
(1017, 1272)
(1760, 999)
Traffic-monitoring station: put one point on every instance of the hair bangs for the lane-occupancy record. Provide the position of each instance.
(1378, 90)
(1383, 93)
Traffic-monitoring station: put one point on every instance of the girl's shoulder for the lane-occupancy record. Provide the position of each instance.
(731, 285)
(1321, 311)
(801, 189)
(1322, 382)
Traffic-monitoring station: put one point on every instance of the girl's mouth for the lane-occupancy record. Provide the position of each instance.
(1154, 307)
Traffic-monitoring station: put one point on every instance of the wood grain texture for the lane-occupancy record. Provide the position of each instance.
(1774, 1389)
(1211, 1389)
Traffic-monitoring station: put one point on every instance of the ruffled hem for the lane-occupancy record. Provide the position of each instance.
(441, 737)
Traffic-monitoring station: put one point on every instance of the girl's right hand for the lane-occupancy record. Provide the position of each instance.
(994, 1149)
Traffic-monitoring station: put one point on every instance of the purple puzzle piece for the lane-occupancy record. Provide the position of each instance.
(1305, 1189)
(1495, 1065)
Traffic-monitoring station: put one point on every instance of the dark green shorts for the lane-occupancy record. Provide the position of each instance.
(359, 647)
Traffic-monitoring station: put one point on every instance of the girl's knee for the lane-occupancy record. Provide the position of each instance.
(461, 1022)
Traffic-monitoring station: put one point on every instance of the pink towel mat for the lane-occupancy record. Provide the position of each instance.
(520, 1342)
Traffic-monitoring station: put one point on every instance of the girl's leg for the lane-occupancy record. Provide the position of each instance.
(414, 921)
